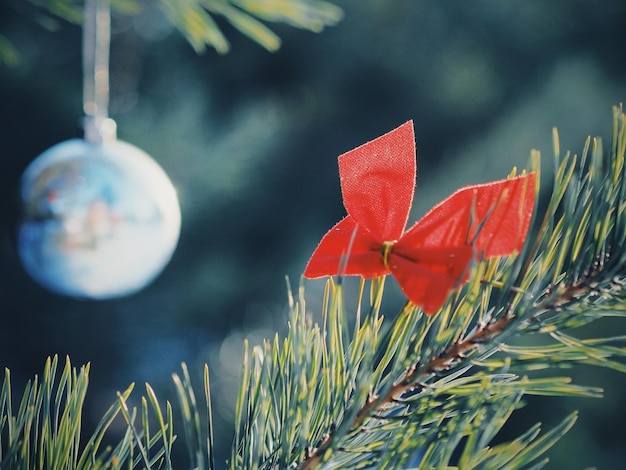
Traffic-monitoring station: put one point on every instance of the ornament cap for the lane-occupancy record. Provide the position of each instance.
(100, 129)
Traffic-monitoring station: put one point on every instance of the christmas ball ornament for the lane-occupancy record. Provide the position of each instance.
(99, 220)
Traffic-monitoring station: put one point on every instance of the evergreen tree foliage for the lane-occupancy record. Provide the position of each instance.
(196, 19)
(368, 388)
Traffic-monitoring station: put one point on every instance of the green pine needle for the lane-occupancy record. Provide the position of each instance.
(195, 19)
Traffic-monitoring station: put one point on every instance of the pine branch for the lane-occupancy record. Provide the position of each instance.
(195, 19)
(413, 380)
(45, 430)
(573, 273)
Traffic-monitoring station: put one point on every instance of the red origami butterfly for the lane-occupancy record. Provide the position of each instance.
(434, 256)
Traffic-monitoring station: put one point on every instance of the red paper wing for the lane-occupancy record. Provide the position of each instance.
(348, 250)
(378, 182)
(493, 218)
(427, 275)
(452, 262)
(428, 284)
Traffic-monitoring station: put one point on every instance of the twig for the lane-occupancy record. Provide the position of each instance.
(411, 378)
(556, 297)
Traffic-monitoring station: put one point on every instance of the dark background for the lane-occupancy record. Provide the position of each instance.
(250, 139)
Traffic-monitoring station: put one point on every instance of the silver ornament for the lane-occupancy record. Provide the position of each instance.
(100, 220)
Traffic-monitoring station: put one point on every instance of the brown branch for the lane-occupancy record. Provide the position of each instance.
(556, 297)
(411, 378)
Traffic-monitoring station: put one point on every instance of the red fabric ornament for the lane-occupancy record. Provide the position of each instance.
(434, 256)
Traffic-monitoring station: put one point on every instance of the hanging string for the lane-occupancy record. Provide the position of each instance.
(96, 43)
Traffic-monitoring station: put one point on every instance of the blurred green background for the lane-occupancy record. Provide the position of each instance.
(250, 140)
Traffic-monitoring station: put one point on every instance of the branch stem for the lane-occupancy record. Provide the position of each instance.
(412, 378)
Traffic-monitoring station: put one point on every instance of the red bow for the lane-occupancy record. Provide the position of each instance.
(434, 256)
